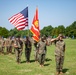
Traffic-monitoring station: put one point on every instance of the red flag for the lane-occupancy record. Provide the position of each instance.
(35, 27)
(20, 20)
(35, 38)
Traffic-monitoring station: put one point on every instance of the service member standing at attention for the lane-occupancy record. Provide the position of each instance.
(28, 47)
(8, 44)
(1, 45)
(59, 53)
(18, 44)
(41, 51)
(46, 41)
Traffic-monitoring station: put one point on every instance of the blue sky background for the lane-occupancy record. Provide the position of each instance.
(51, 12)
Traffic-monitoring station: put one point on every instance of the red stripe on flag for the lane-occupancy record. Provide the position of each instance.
(20, 21)
(35, 26)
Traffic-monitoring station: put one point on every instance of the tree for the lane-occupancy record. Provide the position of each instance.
(71, 30)
(61, 29)
(22, 33)
(46, 31)
(4, 32)
(55, 32)
(13, 32)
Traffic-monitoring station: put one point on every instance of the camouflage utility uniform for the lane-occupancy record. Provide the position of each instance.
(59, 54)
(2, 45)
(28, 47)
(41, 51)
(8, 43)
(18, 44)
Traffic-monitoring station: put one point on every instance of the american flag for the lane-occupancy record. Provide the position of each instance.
(20, 20)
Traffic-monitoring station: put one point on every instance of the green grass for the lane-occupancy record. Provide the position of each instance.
(8, 65)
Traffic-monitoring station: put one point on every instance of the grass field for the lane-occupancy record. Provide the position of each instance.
(8, 65)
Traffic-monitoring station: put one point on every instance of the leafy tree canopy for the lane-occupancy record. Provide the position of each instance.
(47, 31)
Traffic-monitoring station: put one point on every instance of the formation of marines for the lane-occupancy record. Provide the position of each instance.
(17, 45)
(6, 44)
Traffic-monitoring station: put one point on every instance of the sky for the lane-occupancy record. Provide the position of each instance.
(51, 12)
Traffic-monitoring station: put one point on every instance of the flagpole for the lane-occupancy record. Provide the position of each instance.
(28, 21)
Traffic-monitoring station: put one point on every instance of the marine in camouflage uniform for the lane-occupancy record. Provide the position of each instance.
(18, 44)
(2, 45)
(41, 51)
(28, 47)
(8, 43)
(47, 42)
(59, 53)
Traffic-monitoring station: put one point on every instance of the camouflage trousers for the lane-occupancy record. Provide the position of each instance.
(2, 49)
(9, 49)
(27, 54)
(18, 53)
(41, 59)
(36, 55)
(59, 63)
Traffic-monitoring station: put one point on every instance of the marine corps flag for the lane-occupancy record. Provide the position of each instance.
(35, 38)
(35, 27)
